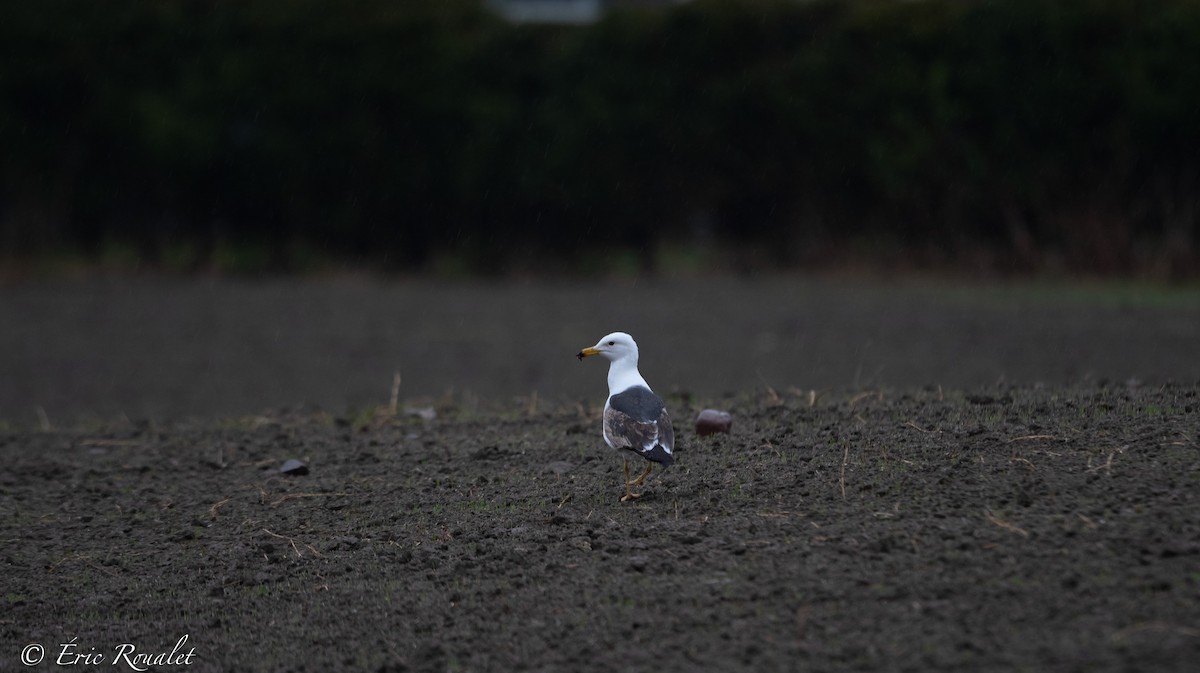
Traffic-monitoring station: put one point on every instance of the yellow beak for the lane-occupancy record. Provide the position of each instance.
(587, 352)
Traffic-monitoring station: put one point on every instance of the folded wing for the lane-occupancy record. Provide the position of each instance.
(636, 419)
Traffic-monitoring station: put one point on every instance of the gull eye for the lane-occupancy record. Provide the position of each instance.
(612, 343)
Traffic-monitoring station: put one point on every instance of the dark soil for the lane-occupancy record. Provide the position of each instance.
(1012, 529)
(920, 526)
(165, 350)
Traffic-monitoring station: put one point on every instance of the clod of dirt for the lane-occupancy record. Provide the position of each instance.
(294, 467)
(712, 421)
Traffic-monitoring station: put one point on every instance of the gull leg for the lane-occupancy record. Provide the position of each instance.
(641, 478)
(629, 494)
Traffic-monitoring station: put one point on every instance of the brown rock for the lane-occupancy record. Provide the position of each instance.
(712, 421)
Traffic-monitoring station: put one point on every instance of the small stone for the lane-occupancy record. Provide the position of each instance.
(294, 467)
(712, 421)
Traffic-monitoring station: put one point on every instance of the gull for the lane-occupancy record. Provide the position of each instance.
(635, 419)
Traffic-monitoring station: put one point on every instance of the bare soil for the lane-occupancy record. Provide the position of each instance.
(997, 510)
(169, 349)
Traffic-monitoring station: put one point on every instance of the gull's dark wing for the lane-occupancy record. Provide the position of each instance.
(637, 419)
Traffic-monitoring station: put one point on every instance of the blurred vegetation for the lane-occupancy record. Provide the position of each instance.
(412, 135)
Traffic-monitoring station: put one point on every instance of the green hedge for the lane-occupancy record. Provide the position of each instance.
(402, 132)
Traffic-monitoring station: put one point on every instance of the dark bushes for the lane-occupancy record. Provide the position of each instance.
(1019, 134)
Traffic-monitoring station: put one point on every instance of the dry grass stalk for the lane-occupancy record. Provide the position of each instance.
(212, 511)
(780, 514)
(773, 398)
(110, 442)
(290, 496)
(865, 395)
(394, 403)
(1030, 438)
(43, 419)
(1028, 463)
(292, 541)
(1184, 441)
(86, 558)
(842, 478)
(1004, 524)
(1107, 464)
(1158, 627)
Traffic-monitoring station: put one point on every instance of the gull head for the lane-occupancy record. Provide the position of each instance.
(615, 346)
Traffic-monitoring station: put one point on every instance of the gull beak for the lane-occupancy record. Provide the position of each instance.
(587, 352)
